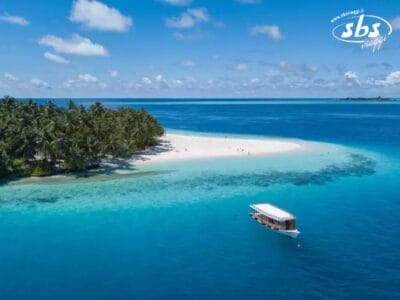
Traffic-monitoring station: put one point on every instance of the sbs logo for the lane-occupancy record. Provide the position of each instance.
(369, 31)
(360, 29)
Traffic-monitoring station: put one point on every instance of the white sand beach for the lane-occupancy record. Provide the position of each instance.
(176, 147)
(179, 147)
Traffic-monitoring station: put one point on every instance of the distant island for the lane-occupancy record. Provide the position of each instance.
(379, 98)
(41, 140)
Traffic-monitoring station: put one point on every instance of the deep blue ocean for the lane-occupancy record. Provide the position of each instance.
(182, 230)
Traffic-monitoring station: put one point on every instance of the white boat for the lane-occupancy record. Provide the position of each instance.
(275, 218)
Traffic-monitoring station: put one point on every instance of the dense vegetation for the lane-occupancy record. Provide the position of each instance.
(38, 140)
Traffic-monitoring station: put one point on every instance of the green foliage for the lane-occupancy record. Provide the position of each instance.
(41, 170)
(20, 167)
(75, 163)
(42, 139)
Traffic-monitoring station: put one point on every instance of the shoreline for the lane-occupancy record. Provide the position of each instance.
(182, 147)
(178, 147)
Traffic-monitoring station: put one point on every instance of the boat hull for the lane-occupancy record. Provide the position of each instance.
(290, 233)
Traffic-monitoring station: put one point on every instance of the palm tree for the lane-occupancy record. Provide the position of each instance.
(42, 138)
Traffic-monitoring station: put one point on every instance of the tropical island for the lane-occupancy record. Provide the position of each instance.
(41, 140)
(379, 98)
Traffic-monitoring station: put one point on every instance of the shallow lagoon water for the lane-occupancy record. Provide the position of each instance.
(187, 181)
(182, 230)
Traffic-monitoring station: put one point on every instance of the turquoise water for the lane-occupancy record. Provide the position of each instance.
(182, 230)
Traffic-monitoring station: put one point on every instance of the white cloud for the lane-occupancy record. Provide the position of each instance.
(75, 45)
(14, 20)
(273, 73)
(395, 22)
(249, 1)
(391, 79)
(272, 31)
(38, 83)
(352, 78)
(146, 80)
(351, 75)
(189, 18)
(113, 73)
(10, 77)
(200, 14)
(159, 78)
(159, 82)
(188, 37)
(241, 67)
(188, 64)
(84, 80)
(303, 70)
(55, 58)
(88, 78)
(96, 15)
(177, 83)
(284, 71)
(184, 21)
(178, 2)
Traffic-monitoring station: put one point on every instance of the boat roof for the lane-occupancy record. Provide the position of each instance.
(272, 211)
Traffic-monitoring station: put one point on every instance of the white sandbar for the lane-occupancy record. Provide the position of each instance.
(176, 147)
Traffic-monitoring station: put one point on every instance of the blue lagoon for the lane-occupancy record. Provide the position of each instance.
(180, 229)
(136, 135)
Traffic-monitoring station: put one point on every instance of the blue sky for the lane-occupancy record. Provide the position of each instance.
(183, 48)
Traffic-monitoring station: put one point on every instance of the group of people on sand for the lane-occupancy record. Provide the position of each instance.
(237, 150)
(242, 150)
